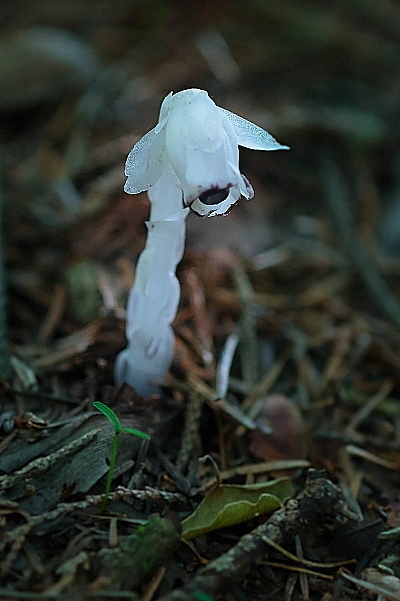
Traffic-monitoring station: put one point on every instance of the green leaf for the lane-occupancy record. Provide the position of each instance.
(136, 433)
(109, 413)
(227, 504)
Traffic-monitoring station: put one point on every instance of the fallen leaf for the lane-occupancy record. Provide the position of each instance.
(229, 504)
(279, 432)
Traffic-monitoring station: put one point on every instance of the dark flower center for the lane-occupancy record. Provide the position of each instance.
(214, 196)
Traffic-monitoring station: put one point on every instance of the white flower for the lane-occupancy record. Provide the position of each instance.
(189, 160)
(195, 144)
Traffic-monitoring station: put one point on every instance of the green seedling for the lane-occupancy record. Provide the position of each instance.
(118, 429)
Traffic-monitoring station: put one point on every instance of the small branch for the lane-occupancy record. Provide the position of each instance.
(15, 538)
(43, 464)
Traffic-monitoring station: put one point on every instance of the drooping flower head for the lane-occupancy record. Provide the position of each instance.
(190, 160)
(195, 144)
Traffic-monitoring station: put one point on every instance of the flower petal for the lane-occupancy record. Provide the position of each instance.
(246, 189)
(165, 106)
(194, 121)
(250, 135)
(145, 161)
(209, 170)
(201, 161)
(223, 208)
(220, 179)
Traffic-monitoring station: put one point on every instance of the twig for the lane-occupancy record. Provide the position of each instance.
(16, 538)
(190, 434)
(368, 456)
(381, 591)
(304, 586)
(284, 566)
(359, 416)
(225, 364)
(264, 467)
(181, 482)
(201, 319)
(42, 464)
(224, 405)
(300, 559)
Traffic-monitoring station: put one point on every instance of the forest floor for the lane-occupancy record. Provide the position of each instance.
(272, 469)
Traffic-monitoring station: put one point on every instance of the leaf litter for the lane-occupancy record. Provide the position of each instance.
(287, 343)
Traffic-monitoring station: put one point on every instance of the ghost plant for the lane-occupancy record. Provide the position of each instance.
(188, 162)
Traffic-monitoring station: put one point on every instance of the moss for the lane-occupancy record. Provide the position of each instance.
(142, 552)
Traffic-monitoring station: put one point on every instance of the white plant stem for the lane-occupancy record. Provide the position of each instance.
(189, 159)
(154, 298)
